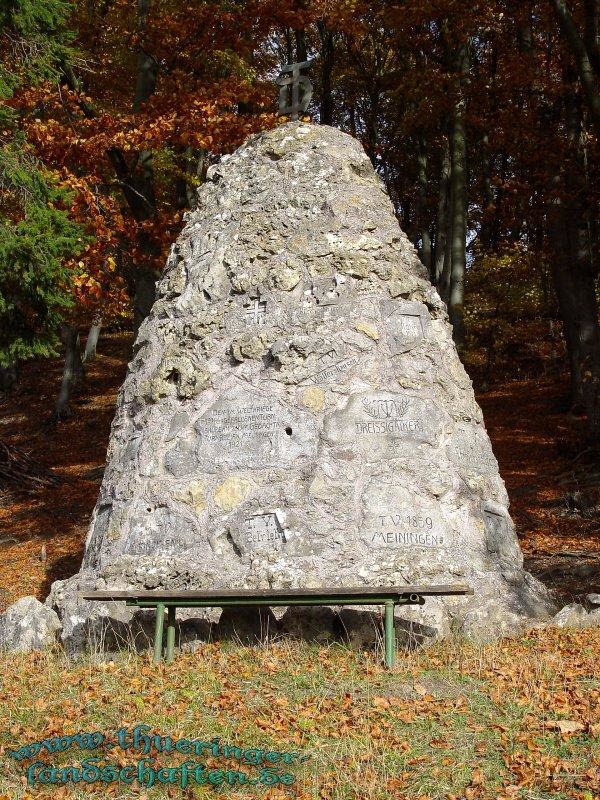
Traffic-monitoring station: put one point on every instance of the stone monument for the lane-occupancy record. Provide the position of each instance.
(295, 413)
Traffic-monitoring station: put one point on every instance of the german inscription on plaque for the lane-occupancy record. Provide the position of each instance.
(384, 425)
(409, 326)
(406, 324)
(395, 516)
(263, 531)
(331, 370)
(246, 435)
(407, 528)
(252, 431)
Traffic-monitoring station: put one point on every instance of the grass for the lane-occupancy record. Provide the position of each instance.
(454, 721)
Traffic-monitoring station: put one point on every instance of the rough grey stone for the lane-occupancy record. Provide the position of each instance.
(573, 615)
(593, 599)
(594, 618)
(28, 625)
(296, 414)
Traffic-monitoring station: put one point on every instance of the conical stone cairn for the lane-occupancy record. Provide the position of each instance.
(295, 413)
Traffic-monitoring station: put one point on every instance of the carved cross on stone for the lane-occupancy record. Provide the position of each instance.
(290, 76)
(256, 312)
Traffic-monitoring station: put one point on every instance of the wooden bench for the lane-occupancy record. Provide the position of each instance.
(387, 596)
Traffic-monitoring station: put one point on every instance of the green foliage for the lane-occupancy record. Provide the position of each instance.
(36, 234)
(35, 42)
(33, 277)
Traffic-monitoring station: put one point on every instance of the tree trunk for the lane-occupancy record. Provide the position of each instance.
(73, 374)
(575, 276)
(441, 224)
(423, 235)
(458, 189)
(487, 232)
(147, 65)
(144, 295)
(328, 54)
(576, 291)
(92, 339)
(301, 52)
(446, 278)
(586, 53)
(8, 377)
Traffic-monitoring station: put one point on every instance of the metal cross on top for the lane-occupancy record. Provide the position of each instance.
(290, 76)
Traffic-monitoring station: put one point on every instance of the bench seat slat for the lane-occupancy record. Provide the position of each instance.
(263, 594)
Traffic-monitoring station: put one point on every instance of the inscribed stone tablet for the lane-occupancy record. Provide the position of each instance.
(262, 532)
(331, 369)
(158, 529)
(397, 517)
(254, 432)
(406, 325)
(254, 311)
(499, 536)
(381, 424)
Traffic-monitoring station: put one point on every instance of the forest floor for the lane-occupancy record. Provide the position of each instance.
(514, 720)
(540, 449)
(539, 446)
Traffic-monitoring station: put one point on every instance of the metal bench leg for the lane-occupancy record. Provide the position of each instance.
(390, 634)
(170, 633)
(158, 632)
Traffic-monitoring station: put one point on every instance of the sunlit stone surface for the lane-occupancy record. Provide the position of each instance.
(295, 413)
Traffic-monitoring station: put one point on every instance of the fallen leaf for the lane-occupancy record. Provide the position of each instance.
(564, 725)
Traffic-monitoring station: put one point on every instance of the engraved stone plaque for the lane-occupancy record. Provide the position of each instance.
(311, 361)
(253, 311)
(383, 425)
(331, 369)
(471, 450)
(406, 325)
(263, 532)
(499, 536)
(400, 518)
(256, 312)
(161, 528)
(252, 431)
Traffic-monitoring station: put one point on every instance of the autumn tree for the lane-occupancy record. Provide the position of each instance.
(482, 126)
